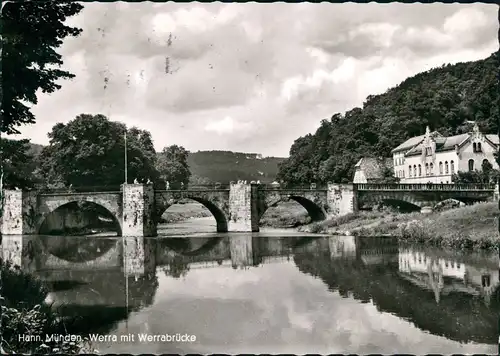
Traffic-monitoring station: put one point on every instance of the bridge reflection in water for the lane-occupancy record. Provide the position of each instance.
(102, 280)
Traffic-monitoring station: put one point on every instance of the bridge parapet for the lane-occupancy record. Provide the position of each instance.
(418, 187)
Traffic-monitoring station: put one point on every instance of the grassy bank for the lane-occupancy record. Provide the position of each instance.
(24, 312)
(287, 214)
(181, 212)
(469, 227)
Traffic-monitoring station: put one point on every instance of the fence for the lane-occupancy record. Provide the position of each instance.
(429, 186)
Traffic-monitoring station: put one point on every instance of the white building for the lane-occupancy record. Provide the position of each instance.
(435, 158)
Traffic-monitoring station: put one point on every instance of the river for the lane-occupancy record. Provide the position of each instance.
(276, 291)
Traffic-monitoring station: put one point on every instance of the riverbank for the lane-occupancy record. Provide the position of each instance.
(181, 212)
(473, 227)
(285, 215)
(24, 312)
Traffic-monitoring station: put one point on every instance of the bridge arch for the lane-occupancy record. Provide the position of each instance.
(82, 251)
(53, 204)
(219, 215)
(404, 201)
(315, 211)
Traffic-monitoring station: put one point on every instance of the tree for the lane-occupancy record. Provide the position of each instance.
(89, 151)
(444, 98)
(18, 164)
(173, 166)
(31, 31)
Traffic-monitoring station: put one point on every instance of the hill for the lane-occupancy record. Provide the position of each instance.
(226, 166)
(444, 98)
(220, 166)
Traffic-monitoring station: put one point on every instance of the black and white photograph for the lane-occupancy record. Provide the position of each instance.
(249, 178)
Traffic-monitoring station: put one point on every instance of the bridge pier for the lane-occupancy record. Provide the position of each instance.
(138, 210)
(243, 208)
(20, 216)
(342, 199)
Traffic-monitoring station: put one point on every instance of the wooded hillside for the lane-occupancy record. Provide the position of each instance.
(444, 98)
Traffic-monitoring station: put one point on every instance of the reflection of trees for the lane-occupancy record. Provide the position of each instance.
(99, 304)
(77, 249)
(458, 316)
(177, 267)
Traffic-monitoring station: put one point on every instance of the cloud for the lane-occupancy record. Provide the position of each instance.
(250, 77)
(227, 125)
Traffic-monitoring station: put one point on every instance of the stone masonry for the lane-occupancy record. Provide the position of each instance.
(137, 207)
(242, 208)
(138, 210)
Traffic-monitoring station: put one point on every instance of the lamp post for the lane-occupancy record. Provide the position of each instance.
(125, 148)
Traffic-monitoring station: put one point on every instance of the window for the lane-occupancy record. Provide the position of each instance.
(471, 165)
(427, 169)
(409, 171)
(419, 170)
(485, 280)
(414, 170)
(431, 169)
(441, 167)
(479, 149)
(428, 151)
(486, 165)
(446, 167)
(452, 165)
(474, 147)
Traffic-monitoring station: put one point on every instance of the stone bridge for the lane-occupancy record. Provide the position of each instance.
(425, 195)
(138, 207)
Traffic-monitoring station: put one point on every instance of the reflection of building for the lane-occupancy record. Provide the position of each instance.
(444, 275)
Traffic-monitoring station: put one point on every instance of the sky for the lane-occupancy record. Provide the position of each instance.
(250, 77)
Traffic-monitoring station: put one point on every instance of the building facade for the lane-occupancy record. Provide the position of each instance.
(434, 158)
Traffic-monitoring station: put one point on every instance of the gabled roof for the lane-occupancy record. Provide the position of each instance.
(373, 167)
(412, 142)
(449, 143)
(493, 138)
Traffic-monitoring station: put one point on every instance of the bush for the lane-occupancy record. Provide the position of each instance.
(24, 312)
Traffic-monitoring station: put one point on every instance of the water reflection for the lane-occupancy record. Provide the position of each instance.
(240, 291)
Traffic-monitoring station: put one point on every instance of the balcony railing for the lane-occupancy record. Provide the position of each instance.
(428, 186)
